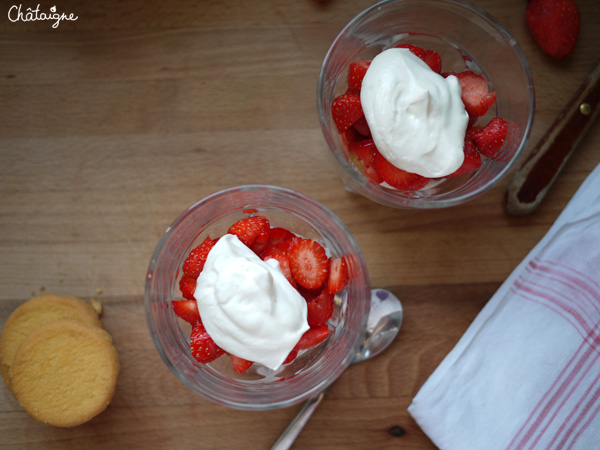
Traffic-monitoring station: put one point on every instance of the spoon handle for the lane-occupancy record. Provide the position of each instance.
(531, 182)
(384, 320)
(292, 431)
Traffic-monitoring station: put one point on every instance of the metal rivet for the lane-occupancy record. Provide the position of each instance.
(585, 109)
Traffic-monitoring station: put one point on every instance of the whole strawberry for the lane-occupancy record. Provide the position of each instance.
(554, 25)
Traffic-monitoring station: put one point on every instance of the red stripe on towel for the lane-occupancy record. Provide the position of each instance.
(567, 407)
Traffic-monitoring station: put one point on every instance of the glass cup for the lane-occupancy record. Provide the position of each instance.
(467, 38)
(259, 388)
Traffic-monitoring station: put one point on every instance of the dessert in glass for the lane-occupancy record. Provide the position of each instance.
(282, 295)
(424, 103)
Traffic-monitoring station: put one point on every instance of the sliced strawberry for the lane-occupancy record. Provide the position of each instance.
(253, 232)
(475, 92)
(398, 178)
(472, 131)
(414, 49)
(308, 263)
(270, 252)
(312, 337)
(194, 263)
(320, 309)
(291, 356)
(433, 60)
(349, 136)
(356, 73)
(472, 159)
(362, 127)
(204, 349)
(278, 235)
(372, 175)
(365, 150)
(240, 365)
(338, 275)
(187, 286)
(280, 239)
(490, 139)
(274, 252)
(430, 57)
(284, 265)
(286, 245)
(186, 310)
(262, 240)
(346, 110)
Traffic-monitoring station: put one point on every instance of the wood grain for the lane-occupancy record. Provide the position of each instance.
(111, 125)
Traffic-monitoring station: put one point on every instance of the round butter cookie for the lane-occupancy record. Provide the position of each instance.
(65, 373)
(34, 313)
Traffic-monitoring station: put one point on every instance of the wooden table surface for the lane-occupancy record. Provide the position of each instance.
(113, 124)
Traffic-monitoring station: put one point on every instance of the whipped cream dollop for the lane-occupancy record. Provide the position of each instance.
(416, 117)
(248, 306)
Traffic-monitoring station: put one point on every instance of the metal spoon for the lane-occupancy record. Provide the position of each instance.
(383, 324)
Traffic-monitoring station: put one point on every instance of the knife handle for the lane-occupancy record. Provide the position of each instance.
(530, 183)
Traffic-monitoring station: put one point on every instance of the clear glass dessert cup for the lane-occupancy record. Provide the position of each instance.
(259, 388)
(467, 38)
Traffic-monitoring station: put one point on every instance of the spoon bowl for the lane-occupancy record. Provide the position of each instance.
(383, 324)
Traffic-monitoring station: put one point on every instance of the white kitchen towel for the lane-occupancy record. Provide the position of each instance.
(526, 373)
